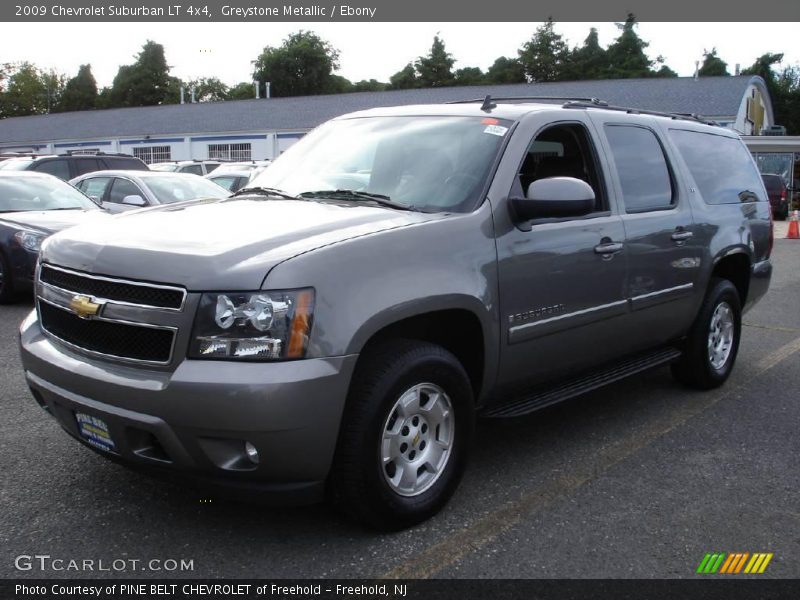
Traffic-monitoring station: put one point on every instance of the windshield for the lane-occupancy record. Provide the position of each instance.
(16, 164)
(429, 163)
(168, 189)
(164, 167)
(19, 193)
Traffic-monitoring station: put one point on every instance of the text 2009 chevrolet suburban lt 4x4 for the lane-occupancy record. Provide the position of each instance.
(399, 271)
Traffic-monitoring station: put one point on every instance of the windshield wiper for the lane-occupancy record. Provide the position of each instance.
(66, 208)
(265, 191)
(381, 199)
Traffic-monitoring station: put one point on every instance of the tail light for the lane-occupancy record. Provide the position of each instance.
(783, 195)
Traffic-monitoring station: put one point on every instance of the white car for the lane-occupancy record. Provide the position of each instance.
(119, 191)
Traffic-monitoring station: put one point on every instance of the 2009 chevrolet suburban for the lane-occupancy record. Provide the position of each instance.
(338, 325)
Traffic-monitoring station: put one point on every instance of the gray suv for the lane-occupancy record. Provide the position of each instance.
(336, 327)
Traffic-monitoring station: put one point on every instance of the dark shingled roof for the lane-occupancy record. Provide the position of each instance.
(711, 96)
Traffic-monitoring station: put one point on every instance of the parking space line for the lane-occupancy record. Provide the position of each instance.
(440, 556)
(773, 328)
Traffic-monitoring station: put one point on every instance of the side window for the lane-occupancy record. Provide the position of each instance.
(94, 186)
(193, 169)
(126, 164)
(58, 167)
(228, 182)
(87, 165)
(642, 168)
(721, 166)
(562, 151)
(121, 188)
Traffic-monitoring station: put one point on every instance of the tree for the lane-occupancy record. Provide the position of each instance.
(406, 78)
(30, 90)
(543, 56)
(146, 82)
(784, 89)
(665, 71)
(340, 85)
(207, 89)
(506, 70)
(80, 92)
(373, 85)
(590, 61)
(302, 65)
(469, 76)
(436, 68)
(626, 54)
(713, 65)
(763, 67)
(242, 91)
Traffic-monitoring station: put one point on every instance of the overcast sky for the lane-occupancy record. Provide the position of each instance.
(368, 50)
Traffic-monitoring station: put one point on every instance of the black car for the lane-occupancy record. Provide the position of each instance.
(778, 195)
(33, 206)
(69, 166)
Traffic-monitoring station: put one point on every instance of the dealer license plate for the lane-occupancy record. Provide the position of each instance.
(95, 431)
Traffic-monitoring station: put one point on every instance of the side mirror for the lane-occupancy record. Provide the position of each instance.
(555, 197)
(134, 200)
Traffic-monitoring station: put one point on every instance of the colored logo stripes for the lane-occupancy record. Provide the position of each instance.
(734, 563)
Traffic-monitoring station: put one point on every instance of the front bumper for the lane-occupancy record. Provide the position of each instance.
(23, 265)
(194, 420)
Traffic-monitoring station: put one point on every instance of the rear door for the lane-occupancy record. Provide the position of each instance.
(660, 237)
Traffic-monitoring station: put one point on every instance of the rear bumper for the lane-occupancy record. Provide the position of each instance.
(760, 276)
(195, 420)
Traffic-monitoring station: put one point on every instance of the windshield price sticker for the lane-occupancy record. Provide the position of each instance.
(496, 130)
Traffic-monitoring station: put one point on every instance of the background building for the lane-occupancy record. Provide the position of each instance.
(263, 128)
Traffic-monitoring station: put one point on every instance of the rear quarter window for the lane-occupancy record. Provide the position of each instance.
(126, 164)
(721, 166)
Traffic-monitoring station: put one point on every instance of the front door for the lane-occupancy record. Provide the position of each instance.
(562, 281)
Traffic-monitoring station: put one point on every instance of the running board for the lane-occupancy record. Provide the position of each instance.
(575, 387)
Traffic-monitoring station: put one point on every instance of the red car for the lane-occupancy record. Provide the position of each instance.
(778, 195)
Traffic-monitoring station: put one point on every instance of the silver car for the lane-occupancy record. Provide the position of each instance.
(333, 329)
(119, 191)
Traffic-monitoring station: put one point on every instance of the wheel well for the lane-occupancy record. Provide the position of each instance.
(736, 269)
(457, 330)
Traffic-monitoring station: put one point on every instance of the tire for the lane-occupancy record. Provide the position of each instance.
(7, 293)
(402, 492)
(700, 367)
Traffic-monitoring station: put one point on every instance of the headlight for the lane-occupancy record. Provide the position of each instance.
(30, 240)
(253, 325)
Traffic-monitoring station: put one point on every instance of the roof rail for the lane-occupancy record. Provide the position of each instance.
(489, 99)
(78, 152)
(640, 111)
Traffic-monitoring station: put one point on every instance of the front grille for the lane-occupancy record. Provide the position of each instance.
(143, 294)
(113, 339)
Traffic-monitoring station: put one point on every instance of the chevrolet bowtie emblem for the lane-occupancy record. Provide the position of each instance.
(84, 307)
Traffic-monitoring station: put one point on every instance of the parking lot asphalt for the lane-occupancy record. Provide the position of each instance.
(637, 480)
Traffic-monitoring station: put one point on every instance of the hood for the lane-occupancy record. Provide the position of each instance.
(217, 245)
(51, 221)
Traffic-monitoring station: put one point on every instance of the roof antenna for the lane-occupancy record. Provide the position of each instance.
(488, 103)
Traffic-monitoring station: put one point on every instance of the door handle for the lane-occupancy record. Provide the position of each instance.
(681, 235)
(608, 248)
